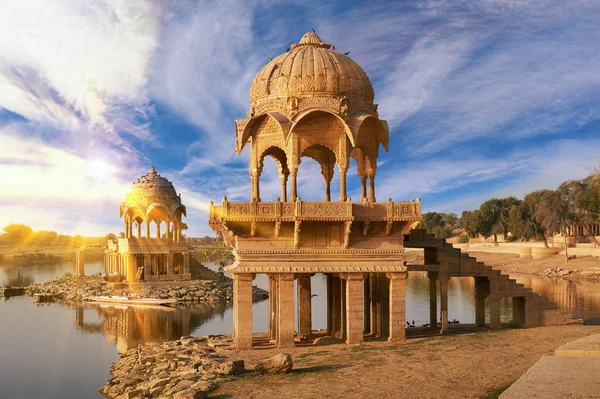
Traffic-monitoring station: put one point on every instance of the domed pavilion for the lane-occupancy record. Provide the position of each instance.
(313, 101)
(147, 252)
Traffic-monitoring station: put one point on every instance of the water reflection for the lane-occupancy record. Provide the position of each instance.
(580, 297)
(23, 275)
(128, 326)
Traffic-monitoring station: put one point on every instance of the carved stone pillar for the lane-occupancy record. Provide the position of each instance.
(397, 305)
(327, 190)
(304, 307)
(157, 229)
(139, 229)
(363, 188)
(372, 187)
(273, 307)
(168, 232)
(354, 308)
(329, 304)
(242, 311)
(293, 186)
(147, 229)
(283, 177)
(336, 310)
(367, 304)
(285, 311)
(131, 268)
(374, 300)
(147, 266)
(170, 264)
(343, 171)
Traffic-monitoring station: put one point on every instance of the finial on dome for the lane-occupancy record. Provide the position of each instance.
(311, 39)
(152, 171)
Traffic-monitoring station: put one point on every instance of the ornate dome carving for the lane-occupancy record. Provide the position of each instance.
(312, 67)
(150, 191)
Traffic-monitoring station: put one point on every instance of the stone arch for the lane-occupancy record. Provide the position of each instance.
(254, 123)
(326, 158)
(300, 117)
(281, 160)
(366, 127)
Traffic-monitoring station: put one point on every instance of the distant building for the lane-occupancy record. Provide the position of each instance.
(145, 255)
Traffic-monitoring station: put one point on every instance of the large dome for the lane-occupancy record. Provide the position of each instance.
(311, 67)
(152, 190)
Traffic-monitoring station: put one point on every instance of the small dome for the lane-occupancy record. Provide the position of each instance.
(311, 67)
(152, 189)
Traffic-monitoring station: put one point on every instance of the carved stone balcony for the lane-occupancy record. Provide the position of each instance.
(315, 211)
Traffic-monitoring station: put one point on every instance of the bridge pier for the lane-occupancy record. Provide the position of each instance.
(482, 290)
(79, 263)
(495, 313)
(433, 276)
(444, 302)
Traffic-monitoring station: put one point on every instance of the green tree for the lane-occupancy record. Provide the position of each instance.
(17, 234)
(523, 222)
(110, 237)
(469, 221)
(489, 217)
(450, 220)
(583, 195)
(555, 212)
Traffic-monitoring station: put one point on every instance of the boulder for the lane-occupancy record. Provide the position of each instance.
(327, 341)
(280, 363)
(233, 368)
(191, 394)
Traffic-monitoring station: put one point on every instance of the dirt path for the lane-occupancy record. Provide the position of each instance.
(457, 366)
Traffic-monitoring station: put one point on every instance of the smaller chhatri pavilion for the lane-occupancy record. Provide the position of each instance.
(148, 252)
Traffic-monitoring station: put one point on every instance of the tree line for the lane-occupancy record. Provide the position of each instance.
(21, 234)
(541, 213)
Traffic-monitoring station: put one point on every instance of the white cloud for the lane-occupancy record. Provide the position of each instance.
(447, 72)
(84, 57)
(203, 68)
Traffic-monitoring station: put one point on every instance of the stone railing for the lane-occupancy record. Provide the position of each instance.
(317, 210)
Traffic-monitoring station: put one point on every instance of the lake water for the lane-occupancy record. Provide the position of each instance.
(60, 351)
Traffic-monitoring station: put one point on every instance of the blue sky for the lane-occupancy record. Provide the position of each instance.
(483, 98)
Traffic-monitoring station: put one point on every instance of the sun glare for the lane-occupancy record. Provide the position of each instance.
(97, 168)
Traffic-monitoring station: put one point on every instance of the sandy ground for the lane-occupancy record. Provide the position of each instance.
(458, 365)
(582, 266)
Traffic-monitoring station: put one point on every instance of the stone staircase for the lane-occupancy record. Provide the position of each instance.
(199, 271)
(443, 258)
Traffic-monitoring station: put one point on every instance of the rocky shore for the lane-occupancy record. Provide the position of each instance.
(187, 368)
(76, 289)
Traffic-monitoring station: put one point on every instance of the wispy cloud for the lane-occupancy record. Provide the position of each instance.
(448, 72)
(70, 61)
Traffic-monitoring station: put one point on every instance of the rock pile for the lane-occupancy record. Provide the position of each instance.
(187, 368)
(76, 289)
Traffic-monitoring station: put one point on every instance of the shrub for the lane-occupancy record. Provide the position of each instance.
(463, 239)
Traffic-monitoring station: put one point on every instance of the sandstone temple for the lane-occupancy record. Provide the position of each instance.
(147, 252)
(315, 102)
